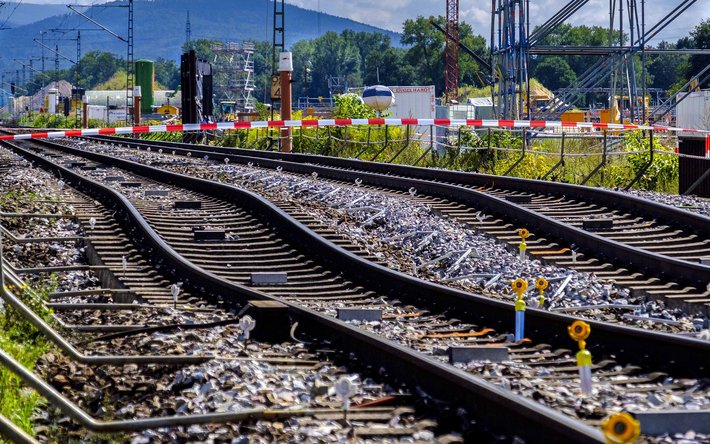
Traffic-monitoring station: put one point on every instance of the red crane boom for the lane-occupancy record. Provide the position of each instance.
(452, 50)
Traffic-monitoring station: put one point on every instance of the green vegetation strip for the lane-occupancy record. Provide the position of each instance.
(21, 340)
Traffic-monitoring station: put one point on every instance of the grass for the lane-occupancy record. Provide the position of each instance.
(26, 344)
(18, 403)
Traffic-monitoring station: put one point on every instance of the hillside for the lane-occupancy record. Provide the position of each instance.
(23, 13)
(160, 28)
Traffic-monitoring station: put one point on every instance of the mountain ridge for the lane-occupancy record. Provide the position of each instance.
(160, 29)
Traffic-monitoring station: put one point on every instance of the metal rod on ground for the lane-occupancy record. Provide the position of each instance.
(77, 414)
(137, 105)
(74, 354)
(562, 159)
(13, 433)
(406, 145)
(522, 157)
(329, 142)
(85, 111)
(384, 146)
(601, 164)
(697, 183)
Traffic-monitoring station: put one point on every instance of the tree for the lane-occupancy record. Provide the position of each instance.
(388, 67)
(664, 70)
(262, 69)
(427, 47)
(98, 67)
(700, 38)
(303, 56)
(426, 50)
(117, 82)
(554, 72)
(334, 56)
(568, 35)
(167, 73)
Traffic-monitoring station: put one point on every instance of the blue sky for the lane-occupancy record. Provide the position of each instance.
(476, 12)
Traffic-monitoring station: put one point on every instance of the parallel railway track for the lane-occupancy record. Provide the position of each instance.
(282, 242)
(145, 247)
(650, 248)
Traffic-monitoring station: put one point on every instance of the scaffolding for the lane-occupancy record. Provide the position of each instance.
(513, 42)
(233, 68)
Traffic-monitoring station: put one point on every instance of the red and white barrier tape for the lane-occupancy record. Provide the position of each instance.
(476, 123)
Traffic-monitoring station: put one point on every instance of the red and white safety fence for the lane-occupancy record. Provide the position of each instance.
(320, 123)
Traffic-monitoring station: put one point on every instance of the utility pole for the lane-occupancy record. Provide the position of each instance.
(188, 33)
(78, 58)
(130, 67)
(43, 66)
(279, 42)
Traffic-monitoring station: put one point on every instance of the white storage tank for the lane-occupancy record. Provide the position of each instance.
(378, 97)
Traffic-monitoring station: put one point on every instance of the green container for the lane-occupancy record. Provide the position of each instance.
(145, 78)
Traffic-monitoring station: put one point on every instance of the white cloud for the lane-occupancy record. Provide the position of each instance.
(390, 14)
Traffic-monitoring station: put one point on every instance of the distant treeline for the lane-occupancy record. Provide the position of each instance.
(360, 58)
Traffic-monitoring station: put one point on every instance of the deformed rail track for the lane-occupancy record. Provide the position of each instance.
(649, 247)
(263, 236)
(120, 231)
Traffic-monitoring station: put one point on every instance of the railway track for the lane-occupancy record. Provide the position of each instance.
(651, 248)
(244, 232)
(143, 248)
(124, 372)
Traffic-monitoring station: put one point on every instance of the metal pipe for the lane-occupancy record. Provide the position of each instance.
(562, 159)
(697, 183)
(601, 164)
(16, 435)
(384, 146)
(2, 266)
(74, 354)
(406, 145)
(522, 157)
(73, 411)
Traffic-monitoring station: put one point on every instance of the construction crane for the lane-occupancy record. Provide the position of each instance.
(452, 51)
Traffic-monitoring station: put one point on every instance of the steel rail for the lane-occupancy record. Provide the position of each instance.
(16, 435)
(15, 302)
(81, 417)
(493, 406)
(456, 185)
(690, 356)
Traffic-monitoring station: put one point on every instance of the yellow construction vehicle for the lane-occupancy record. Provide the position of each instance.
(229, 110)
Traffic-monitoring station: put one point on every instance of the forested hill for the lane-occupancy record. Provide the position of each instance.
(160, 28)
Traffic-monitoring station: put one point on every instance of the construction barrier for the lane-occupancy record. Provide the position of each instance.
(475, 123)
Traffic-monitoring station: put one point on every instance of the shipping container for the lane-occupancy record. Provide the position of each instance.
(693, 112)
(413, 101)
